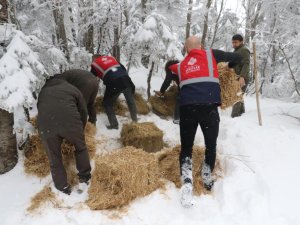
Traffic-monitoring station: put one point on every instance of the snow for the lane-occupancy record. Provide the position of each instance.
(260, 183)
(21, 74)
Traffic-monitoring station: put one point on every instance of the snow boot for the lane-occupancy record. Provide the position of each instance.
(186, 198)
(83, 185)
(238, 109)
(206, 176)
(67, 190)
(111, 127)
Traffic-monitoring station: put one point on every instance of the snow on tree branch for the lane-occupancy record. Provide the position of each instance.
(21, 74)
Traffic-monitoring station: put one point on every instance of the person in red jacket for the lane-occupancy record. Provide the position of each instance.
(171, 76)
(199, 100)
(117, 81)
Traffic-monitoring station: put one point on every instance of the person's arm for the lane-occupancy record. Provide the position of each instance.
(245, 63)
(91, 104)
(82, 109)
(230, 57)
(167, 82)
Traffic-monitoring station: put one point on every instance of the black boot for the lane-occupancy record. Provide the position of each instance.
(67, 190)
(237, 109)
(111, 127)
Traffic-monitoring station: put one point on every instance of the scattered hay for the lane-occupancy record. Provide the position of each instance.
(141, 104)
(230, 89)
(142, 135)
(36, 161)
(164, 106)
(122, 176)
(41, 198)
(168, 161)
(119, 107)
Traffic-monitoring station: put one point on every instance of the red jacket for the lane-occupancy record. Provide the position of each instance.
(198, 66)
(198, 78)
(103, 64)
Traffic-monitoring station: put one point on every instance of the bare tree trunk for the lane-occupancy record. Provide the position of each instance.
(188, 20)
(8, 143)
(291, 71)
(116, 47)
(217, 24)
(253, 15)
(3, 11)
(143, 4)
(60, 27)
(74, 35)
(89, 35)
(149, 80)
(205, 26)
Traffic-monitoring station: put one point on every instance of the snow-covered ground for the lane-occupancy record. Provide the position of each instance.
(260, 186)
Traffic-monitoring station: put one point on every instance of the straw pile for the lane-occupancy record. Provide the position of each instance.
(230, 89)
(36, 161)
(122, 176)
(119, 107)
(142, 135)
(141, 104)
(41, 198)
(168, 161)
(164, 106)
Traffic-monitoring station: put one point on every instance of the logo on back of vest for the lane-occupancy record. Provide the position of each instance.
(192, 61)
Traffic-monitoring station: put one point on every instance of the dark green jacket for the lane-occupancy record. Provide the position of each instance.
(243, 69)
(88, 84)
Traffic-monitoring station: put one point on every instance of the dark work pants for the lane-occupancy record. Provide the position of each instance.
(53, 149)
(110, 98)
(239, 107)
(177, 108)
(207, 116)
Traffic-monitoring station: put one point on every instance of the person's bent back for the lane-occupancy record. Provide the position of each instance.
(62, 114)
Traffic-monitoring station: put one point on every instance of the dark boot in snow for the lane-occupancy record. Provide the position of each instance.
(206, 176)
(237, 109)
(111, 127)
(67, 190)
(186, 198)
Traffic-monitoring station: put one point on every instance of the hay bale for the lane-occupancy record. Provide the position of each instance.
(230, 88)
(36, 161)
(141, 104)
(121, 177)
(168, 161)
(41, 198)
(164, 106)
(142, 135)
(119, 107)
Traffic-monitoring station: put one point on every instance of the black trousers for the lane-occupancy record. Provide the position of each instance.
(110, 97)
(177, 108)
(239, 108)
(207, 116)
(52, 145)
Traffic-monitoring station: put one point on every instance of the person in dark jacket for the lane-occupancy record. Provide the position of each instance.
(242, 69)
(200, 97)
(88, 84)
(171, 76)
(62, 114)
(117, 81)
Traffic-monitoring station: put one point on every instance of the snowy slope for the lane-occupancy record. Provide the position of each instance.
(260, 185)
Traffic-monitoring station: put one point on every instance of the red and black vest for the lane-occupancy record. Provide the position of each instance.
(199, 78)
(104, 64)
